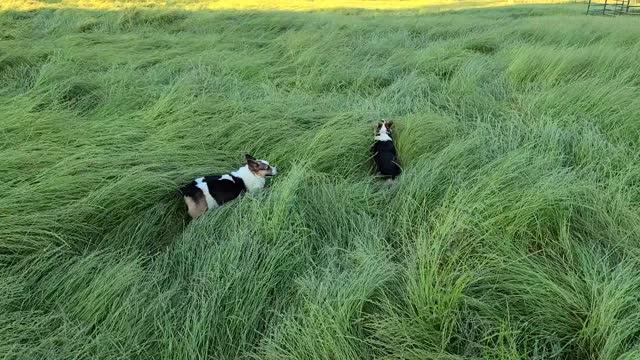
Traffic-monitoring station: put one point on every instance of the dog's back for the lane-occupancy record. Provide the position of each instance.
(210, 192)
(384, 152)
(386, 159)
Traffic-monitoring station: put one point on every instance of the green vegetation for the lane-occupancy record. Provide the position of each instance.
(513, 233)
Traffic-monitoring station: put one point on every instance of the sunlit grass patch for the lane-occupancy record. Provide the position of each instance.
(293, 5)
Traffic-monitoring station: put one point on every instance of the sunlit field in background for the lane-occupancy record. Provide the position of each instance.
(513, 233)
(291, 5)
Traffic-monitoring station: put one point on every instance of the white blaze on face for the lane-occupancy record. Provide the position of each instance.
(383, 134)
(273, 170)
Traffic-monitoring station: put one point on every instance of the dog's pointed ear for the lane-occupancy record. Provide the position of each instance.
(253, 164)
(388, 124)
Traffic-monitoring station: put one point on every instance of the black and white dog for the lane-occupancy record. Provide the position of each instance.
(384, 152)
(209, 192)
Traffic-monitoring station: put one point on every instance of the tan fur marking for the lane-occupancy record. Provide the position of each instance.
(195, 208)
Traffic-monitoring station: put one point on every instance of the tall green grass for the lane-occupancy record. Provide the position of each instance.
(512, 234)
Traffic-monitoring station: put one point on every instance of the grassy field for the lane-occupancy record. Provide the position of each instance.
(513, 233)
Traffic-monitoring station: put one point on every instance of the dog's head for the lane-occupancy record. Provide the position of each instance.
(260, 167)
(384, 127)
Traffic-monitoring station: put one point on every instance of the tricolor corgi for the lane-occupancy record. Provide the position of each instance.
(384, 152)
(210, 192)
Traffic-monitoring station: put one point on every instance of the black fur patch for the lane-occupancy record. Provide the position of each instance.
(222, 190)
(386, 158)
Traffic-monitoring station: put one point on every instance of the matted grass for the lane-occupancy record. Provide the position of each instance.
(513, 233)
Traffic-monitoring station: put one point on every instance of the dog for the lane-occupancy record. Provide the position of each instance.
(384, 152)
(210, 192)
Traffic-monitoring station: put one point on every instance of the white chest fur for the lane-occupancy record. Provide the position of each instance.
(251, 181)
